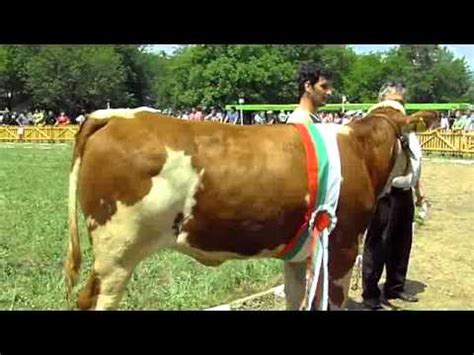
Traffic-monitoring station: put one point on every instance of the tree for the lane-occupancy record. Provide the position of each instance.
(139, 73)
(338, 60)
(365, 78)
(13, 63)
(433, 74)
(469, 95)
(69, 77)
(219, 74)
(451, 78)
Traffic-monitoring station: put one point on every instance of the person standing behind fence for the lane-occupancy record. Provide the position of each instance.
(81, 118)
(198, 116)
(314, 89)
(50, 118)
(463, 122)
(259, 118)
(39, 117)
(211, 116)
(21, 121)
(470, 124)
(444, 124)
(62, 119)
(232, 116)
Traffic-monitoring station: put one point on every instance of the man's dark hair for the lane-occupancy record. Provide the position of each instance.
(311, 72)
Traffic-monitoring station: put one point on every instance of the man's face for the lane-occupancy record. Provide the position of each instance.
(320, 91)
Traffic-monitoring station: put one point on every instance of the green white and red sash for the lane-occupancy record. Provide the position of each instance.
(324, 182)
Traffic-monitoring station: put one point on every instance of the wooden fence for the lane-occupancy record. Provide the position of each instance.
(46, 134)
(442, 142)
(447, 143)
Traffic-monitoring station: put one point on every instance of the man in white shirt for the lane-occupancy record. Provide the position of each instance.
(314, 89)
(389, 236)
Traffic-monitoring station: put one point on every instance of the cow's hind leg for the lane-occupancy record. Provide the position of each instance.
(107, 281)
(117, 252)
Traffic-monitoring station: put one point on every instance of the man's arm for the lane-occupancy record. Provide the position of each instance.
(420, 197)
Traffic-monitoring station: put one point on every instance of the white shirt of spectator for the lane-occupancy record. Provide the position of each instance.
(300, 116)
(259, 119)
(80, 119)
(444, 123)
(470, 124)
(282, 117)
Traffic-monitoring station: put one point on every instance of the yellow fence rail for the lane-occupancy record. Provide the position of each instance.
(48, 134)
(449, 143)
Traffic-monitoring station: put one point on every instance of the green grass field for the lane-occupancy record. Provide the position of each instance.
(33, 238)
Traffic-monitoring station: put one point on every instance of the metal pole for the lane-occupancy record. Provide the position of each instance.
(241, 101)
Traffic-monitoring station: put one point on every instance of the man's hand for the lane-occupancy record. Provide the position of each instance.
(420, 200)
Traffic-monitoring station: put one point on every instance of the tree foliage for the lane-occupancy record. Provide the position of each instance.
(72, 77)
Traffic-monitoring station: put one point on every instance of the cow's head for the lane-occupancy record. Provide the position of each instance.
(422, 121)
(393, 94)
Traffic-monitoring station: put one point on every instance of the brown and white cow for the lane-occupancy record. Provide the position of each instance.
(213, 191)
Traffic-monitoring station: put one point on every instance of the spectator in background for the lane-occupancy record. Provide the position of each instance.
(62, 119)
(270, 117)
(259, 118)
(13, 117)
(198, 116)
(470, 125)
(39, 117)
(462, 122)
(219, 116)
(232, 116)
(453, 117)
(444, 124)
(192, 115)
(50, 118)
(22, 120)
(282, 117)
(29, 117)
(81, 118)
(211, 116)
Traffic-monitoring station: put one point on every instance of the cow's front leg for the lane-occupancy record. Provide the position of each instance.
(341, 262)
(295, 283)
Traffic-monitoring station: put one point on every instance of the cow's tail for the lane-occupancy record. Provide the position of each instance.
(72, 264)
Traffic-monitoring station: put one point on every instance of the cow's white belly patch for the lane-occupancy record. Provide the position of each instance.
(146, 226)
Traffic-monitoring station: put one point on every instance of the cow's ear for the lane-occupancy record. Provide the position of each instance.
(423, 120)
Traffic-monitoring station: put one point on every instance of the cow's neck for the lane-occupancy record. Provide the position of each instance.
(376, 139)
